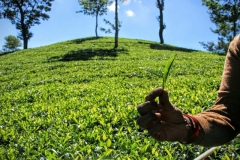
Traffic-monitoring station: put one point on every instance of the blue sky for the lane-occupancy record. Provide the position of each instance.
(187, 23)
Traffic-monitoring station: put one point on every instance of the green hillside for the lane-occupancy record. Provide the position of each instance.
(77, 99)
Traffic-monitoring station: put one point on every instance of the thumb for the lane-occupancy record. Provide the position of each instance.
(165, 103)
(163, 99)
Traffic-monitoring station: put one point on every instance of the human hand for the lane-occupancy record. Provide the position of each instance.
(163, 121)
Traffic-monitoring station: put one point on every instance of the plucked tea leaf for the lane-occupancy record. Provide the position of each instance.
(167, 69)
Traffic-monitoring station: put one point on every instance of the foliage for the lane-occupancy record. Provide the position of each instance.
(12, 43)
(85, 107)
(225, 15)
(167, 70)
(94, 8)
(111, 25)
(25, 14)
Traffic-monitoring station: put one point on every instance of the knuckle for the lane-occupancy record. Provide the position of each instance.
(151, 132)
(141, 122)
(140, 109)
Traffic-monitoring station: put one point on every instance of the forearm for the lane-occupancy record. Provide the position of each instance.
(221, 123)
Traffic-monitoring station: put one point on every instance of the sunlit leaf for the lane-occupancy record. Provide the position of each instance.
(167, 69)
(169, 153)
(104, 137)
(109, 143)
(153, 150)
(69, 99)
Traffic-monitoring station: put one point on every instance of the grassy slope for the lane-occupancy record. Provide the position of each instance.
(78, 98)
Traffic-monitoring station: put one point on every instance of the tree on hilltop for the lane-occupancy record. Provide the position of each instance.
(226, 16)
(94, 8)
(25, 14)
(117, 23)
(12, 43)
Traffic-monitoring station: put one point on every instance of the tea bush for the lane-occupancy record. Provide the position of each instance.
(77, 99)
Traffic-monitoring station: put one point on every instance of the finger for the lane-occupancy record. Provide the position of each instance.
(158, 92)
(147, 107)
(154, 94)
(163, 98)
(157, 131)
(148, 120)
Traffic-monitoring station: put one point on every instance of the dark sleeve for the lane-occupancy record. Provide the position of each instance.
(221, 123)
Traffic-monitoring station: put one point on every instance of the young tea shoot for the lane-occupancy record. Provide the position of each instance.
(167, 70)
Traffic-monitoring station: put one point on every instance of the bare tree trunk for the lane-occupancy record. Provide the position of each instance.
(24, 35)
(96, 25)
(23, 28)
(25, 42)
(116, 25)
(160, 6)
(161, 28)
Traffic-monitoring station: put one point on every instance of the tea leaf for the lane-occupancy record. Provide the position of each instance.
(109, 143)
(104, 137)
(105, 154)
(84, 97)
(151, 71)
(153, 150)
(169, 153)
(167, 69)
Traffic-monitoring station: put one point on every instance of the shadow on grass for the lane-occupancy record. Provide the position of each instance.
(174, 48)
(167, 47)
(79, 41)
(5, 53)
(170, 48)
(88, 54)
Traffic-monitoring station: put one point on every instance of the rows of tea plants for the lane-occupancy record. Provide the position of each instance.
(77, 99)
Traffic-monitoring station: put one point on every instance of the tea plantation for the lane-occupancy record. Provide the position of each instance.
(77, 99)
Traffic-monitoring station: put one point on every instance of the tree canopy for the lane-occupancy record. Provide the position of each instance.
(226, 16)
(25, 14)
(95, 8)
(11, 43)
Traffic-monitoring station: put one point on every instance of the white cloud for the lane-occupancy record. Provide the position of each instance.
(126, 2)
(111, 8)
(139, 1)
(130, 13)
